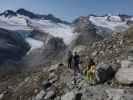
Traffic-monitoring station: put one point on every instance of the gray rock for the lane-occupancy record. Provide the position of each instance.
(94, 53)
(125, 63)
(53, 80)
(68, 96)
(2, 95)
(46, 84)
(130, 54)
(50, 95)
(115, 94)
(53, 68)
(58, 98)
(94, 92)
(125, 76)
(40, 95)
(79, 48)
(118, 94)
(104, 72)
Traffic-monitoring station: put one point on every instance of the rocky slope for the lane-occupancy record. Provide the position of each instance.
(45, 75)
(88, 31)
(13, 48)
(12, 45)
(55, 81)
(51, 53)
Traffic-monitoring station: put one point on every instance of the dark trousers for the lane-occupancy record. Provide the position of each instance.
(76, 68)
(69, 65)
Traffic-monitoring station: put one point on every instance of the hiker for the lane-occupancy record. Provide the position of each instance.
(70, 59)
(91, 69)
(76, 59)
(76, 62)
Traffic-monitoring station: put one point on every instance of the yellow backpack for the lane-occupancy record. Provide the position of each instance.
(91, 72)
(93, 68)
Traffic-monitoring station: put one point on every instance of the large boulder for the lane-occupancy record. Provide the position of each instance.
(125, 73)
(104, 72)
(12, 46)
(125, 76)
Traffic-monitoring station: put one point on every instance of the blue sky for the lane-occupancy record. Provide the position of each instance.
(71, 9)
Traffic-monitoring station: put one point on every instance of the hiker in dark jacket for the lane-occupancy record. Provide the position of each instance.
(70, 59)
(76, 62)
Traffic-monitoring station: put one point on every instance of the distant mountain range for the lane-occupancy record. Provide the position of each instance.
(24, 22)
(21, 11)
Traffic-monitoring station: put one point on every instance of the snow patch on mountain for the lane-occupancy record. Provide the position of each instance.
(114, 18)
(132, 18)
(35, 44)
(13, 23)
(14, 20)
(20, 22)
(55, 29)
(108, 22)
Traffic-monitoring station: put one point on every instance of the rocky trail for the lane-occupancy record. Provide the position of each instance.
(56, 83)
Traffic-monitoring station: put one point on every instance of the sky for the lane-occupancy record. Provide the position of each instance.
(70, 9)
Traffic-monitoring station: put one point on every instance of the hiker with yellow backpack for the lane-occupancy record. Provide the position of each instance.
(91, 69)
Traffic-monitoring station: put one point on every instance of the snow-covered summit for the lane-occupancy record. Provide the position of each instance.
(24, 20)
(27, 21)
(13, 23)
(110, 22)
(114, 18)
(132, 18)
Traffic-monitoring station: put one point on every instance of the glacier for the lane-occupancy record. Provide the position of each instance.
(114, 22)
(55, 29)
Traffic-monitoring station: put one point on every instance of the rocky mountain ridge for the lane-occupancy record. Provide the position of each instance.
(21, 11)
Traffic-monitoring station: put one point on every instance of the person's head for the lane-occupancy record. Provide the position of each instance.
(89, 66)
(75, 53)
(69, 52)
(91, 60)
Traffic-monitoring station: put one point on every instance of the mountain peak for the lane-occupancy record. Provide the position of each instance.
(32, 15)
(8, 13)
(24, 12)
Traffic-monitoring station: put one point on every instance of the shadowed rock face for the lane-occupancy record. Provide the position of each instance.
(53, 51)
(12, 46)
(87, 30)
